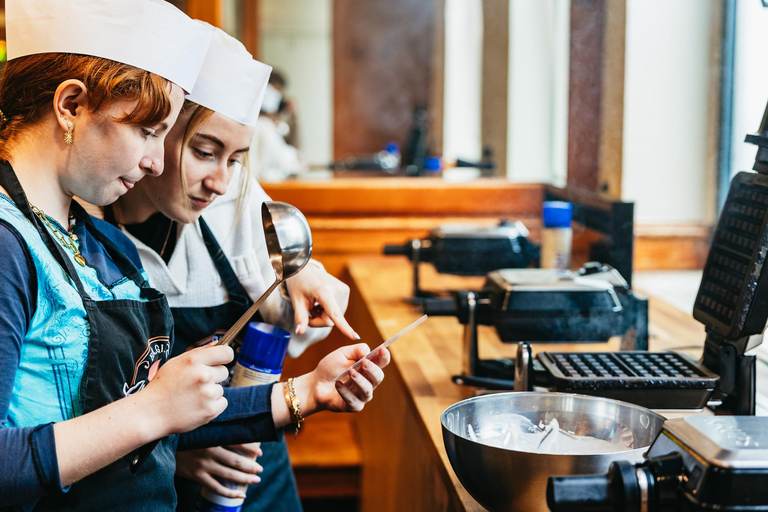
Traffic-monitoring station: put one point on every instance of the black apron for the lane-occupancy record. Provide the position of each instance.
(129, 340)
(277, 488)
(191, 323)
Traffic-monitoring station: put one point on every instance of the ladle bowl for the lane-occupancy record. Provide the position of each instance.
(289, 240)
(289, 245)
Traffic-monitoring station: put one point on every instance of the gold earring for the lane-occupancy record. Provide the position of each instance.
(68, 137)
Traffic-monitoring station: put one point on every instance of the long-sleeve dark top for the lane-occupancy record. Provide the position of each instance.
(29, 454)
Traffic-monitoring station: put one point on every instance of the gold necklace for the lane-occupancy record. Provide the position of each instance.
(69, 241)
(167, 236)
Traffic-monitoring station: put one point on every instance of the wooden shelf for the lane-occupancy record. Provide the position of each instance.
(326, 457)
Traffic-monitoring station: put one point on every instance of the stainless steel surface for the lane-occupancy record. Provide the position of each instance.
(469, 341)
(510, 480)
(289, 239)
(522, 363)
(549, 280)
(738, 442)
(289, 245)
(459, 230)
(642, 484)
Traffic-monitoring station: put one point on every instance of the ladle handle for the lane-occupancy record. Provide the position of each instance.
(142, 454)
(238, 326)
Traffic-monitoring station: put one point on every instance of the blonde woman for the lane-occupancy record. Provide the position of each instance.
(198, 230)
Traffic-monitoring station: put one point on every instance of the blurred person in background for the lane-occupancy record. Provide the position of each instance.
(274, 152)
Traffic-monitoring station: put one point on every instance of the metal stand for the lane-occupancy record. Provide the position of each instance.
(738, 372)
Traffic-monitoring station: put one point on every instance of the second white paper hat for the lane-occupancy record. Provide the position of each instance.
(231, 82)
(149, 34)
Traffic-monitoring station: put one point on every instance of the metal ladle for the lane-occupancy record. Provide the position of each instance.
(289, 244)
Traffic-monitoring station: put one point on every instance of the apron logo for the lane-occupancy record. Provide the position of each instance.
(157, 352)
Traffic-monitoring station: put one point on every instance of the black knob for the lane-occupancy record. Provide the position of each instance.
(403, 249)
(616, 491)
(440, 307)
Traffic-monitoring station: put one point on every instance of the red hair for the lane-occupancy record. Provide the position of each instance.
(29, 83)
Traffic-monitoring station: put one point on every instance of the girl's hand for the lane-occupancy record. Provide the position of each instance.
(186, 391)
(233, 463)
(319, 300)
(356, 390)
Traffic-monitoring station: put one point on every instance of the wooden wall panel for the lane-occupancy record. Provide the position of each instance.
(437, 77)
(672, 247)
(249, 25)
(210, 11)
(495, 80)
(585, 90)
(2, 27)
(408, 197)
(612, 101)
(596, 95)
(382, 67)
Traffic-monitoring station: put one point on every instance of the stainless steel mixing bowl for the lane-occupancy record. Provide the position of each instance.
(510, 480)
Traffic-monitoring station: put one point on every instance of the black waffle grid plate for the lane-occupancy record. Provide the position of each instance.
(729, 302)
(663, 380)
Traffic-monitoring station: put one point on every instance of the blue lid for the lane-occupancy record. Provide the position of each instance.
(557, 214)
(393, 147)
(433, 163)
(264, 346)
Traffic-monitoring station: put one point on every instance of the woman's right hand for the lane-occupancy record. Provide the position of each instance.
(186, 392)
(233, 463)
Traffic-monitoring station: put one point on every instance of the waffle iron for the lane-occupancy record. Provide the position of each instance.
(732, 303)
(698, 463)
(589, 305)
(468, 250)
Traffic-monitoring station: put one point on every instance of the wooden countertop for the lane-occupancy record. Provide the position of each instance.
(400, 430)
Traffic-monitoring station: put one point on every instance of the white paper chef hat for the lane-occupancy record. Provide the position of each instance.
(148, 34)
(231, 82)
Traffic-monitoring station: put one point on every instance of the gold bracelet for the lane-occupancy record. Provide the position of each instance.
(294, 407)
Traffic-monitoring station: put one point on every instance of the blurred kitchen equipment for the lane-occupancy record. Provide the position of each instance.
(612, 221)
(732, 303)
(556, 235)
(591, 304)
(289, 244)
(468, 250)
(417, 145)
(512, 480)
(697, 463)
